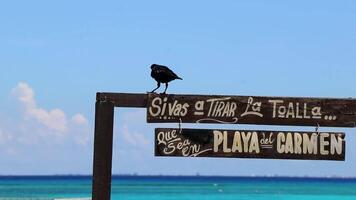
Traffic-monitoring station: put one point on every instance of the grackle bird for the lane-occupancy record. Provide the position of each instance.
(162, 74)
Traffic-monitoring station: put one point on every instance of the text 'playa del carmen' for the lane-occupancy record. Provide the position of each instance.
(268, 144)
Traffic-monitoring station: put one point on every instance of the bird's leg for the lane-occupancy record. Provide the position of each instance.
(165, 88)
(158, 85)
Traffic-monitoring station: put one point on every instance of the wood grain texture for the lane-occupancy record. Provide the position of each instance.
(329, 112)
(103, 140)
(130, 100)
(299, 145)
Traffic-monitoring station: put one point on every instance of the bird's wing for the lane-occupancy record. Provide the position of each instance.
(162, 69)
(166, 71)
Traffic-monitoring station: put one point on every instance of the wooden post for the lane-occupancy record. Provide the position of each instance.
(103, 142)
(103, 137)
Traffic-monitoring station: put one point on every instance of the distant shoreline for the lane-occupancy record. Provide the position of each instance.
(175, 177)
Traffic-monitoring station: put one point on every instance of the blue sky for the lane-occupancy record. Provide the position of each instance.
(55, 56)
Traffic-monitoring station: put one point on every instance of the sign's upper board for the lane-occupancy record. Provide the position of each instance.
(251, 110)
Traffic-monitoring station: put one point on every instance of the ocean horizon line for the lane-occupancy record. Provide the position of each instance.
(114, 176)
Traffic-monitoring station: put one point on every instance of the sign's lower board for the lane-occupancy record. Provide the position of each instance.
(250, 144)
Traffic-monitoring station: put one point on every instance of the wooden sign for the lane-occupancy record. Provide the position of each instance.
(250, 144)
(251, 110)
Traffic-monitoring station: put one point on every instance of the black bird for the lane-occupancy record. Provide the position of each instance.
(162, 74)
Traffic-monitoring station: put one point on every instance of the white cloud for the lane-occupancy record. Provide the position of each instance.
(46, 123)
(54, 119)
(4, 137)
(134, 138)
(79, 119)
(130, 131)
(25, 94)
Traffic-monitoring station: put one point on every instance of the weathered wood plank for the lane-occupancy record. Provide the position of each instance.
(124, 99)
(330, 112)
(250, 144)
(103, 141)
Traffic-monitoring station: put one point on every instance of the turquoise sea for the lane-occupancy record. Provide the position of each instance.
(174, 188)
